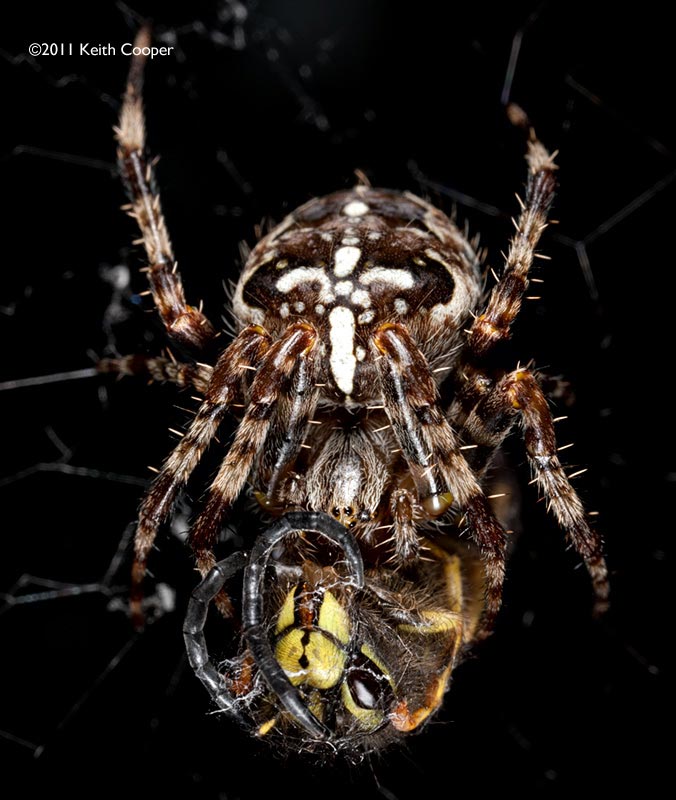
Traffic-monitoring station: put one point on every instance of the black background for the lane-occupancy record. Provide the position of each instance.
(553, 702)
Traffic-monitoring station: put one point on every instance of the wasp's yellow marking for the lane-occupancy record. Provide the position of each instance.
(370, 653)
(434, 622)
(286, 615)
(368, 718)
(333, 618)
(310, 658)
(267, 726)
(404, 720)
(316, 705)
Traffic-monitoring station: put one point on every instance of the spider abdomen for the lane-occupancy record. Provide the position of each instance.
(352, 261)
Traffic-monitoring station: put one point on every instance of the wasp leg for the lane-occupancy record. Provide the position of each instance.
(193, 630)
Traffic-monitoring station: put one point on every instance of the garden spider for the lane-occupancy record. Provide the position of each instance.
(360, 597)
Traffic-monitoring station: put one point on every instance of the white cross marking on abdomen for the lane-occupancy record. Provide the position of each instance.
(307, 275)
(343, 360)
(345, 260)
(399, 278)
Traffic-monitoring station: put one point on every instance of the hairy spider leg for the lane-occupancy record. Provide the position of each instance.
(411, 401)
(487, 409)
(295, 408)
(518, 395)
(504, 303)
(406, 538)
(224, 386)
(184, 323)
(297, 344)
(159, 369)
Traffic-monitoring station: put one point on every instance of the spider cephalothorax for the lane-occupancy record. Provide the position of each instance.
(349, 314)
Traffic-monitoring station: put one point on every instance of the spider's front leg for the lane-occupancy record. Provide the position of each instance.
(494, 324)
(518, 395)
(224, 386)
(184, 323)
(288, 367)
(429, 445)
(296, 406)
(504, 303)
